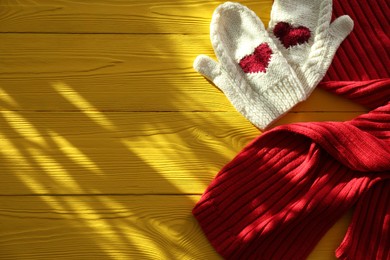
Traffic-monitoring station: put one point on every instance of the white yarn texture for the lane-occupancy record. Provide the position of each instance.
(310, 60)
(261, 97)
(292, 73)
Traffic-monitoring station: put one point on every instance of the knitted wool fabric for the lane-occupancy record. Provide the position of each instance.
(303, 31)
(368, 236)
(281, 194)
(363, 59)
(288, 187)
(251, 71)
(364, 55)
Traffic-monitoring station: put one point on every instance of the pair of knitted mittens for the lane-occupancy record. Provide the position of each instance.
(265, 72)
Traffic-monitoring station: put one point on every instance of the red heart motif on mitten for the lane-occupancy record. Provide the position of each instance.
(290, 36)
(258, 61)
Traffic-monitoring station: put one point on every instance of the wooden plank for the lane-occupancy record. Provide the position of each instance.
(77, 118)
(123, 153)
(101, 227)
(114, 16)
(75, 153)
(116, 73)
(114, 227)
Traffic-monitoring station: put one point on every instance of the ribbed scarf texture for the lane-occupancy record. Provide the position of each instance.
(282, 192)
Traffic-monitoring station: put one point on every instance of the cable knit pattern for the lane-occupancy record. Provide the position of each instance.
(289, 74)
(310, 60)
(262, 97)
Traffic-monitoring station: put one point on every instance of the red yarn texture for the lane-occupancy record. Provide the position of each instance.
(290, 36)
(258, 61)
(368, 235)
(282, 193)
(364, 54)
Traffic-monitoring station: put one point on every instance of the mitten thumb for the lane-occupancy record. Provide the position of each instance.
(212, 70)
(207, 67)
(340, 29)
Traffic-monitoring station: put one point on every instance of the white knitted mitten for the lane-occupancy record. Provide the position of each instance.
(252, 72)
(304, 34)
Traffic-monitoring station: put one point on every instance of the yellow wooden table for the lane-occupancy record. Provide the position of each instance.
(108, 137)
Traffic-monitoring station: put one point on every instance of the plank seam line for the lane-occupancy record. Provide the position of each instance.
(102, 194)
(102, 33)
(169, 111)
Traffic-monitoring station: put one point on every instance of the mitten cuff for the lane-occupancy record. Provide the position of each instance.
(262, 109)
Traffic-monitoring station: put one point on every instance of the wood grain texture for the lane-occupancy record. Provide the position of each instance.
(100, 107)
(117, 73)
(122, 153)
(114, 227)
(114, 16)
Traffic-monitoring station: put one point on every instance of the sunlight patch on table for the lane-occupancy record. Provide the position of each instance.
(83, 105)
(134, 229)
(23, 127)
(156, 165)
(7, 98)
(74, 153)
(107, 237)
(54, 170)
(15, 157)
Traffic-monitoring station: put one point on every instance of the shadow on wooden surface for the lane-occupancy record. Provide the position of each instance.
(85, 152)
(108, 137)
(88, 168)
